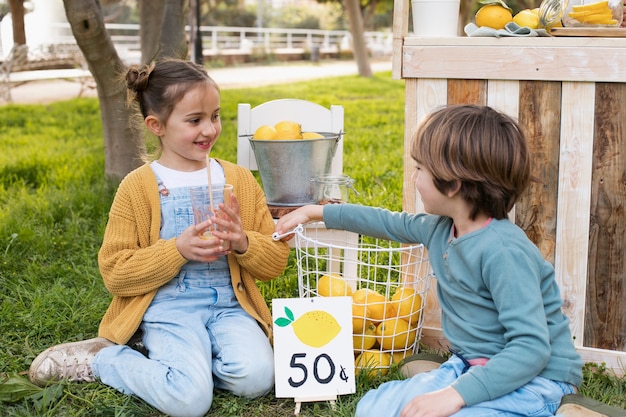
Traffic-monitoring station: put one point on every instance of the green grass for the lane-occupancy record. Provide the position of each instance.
(54, 203)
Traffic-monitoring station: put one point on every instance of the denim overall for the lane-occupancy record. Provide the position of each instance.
(197, 335)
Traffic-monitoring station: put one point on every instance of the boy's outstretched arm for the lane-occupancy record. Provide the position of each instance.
(302, 215)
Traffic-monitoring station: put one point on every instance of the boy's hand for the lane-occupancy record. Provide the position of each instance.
(302, 215)
(442, 403)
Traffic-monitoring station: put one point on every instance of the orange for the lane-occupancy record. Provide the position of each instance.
(395, 334)
(333, 286)
(408, 304)
(493, 15)
(373, 362)
(265, 132)
(365, 340)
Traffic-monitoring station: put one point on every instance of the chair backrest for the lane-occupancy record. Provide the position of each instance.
(312, 117)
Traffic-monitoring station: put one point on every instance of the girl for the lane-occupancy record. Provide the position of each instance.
(501, 307)
(203, 321)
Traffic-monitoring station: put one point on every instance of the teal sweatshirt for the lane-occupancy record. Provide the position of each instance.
(498, 296)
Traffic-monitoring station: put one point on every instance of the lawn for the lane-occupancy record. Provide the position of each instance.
(54, 203)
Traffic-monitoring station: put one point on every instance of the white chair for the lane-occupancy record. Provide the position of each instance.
(312, 117)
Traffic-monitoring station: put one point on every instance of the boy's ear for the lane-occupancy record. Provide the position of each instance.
(154, 125)
(455, 189)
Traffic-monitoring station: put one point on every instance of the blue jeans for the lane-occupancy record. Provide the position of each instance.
(197, 335)
(540, 397)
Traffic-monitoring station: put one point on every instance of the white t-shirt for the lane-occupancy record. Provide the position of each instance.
(172, 178)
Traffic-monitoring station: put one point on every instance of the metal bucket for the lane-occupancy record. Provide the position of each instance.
(287, 167)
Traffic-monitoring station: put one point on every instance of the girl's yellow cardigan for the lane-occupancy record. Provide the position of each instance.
(135, 262)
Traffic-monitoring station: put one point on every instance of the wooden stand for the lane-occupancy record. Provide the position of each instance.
(299, 401)
(569, 95)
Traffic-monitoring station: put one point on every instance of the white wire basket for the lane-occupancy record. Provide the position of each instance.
(388, 282)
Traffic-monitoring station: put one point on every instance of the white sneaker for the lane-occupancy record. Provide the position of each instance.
(71, 361)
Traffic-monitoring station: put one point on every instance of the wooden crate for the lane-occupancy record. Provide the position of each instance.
(569, 95)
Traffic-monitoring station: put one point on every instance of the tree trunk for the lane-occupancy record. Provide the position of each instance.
(123, 143)
(16, 7)
(151, 14)
(173, 42)
(358, 38)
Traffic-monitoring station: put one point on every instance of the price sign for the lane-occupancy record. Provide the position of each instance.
(313, 352)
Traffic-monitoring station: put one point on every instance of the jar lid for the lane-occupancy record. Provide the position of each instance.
(333, 179)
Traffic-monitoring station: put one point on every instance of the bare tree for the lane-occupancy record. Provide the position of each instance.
(123, 144)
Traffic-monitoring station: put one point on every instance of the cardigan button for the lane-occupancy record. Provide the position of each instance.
(240, 286)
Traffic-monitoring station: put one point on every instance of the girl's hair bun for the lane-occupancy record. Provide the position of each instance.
(137, 78)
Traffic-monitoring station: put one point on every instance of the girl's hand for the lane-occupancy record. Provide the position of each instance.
(201, 249)
(303, 215)
(442, 403)
(230, 222)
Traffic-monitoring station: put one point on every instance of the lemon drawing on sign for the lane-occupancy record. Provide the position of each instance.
(314, 328)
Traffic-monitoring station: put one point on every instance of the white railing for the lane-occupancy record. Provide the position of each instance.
(229, 39)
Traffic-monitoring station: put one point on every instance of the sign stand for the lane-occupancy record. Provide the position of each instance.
(313, 356)
(299, 401)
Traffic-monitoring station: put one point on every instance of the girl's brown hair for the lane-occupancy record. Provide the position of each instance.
(479, 148)
(158, 86)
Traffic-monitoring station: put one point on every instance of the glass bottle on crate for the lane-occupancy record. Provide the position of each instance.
(593, 13)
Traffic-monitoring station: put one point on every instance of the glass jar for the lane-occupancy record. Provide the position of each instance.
(332, 189)
(593, 13)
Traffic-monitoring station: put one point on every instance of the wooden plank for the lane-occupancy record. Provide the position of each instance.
(400, 29)
(504, 96)
(615, 361)
(589, 32)
(605, 318)
(574, 198)
(467, 92)
(540, 119)
(522, 63)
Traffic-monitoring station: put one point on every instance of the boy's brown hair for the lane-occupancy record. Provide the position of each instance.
(479, 148)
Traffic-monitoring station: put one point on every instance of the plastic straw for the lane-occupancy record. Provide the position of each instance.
(208, 173)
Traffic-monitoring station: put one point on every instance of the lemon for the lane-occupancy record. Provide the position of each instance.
(333, 286)
(311, 135)
(287, 134)
(287, 130)
(494, 16)
(316, 328)
(360, 316)
(395, 334)
(376, 303)
(288, 125)
(408, 304)
(365, 340)
(372, 362)
(397, 357)
(265, 132)
(527, 18)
